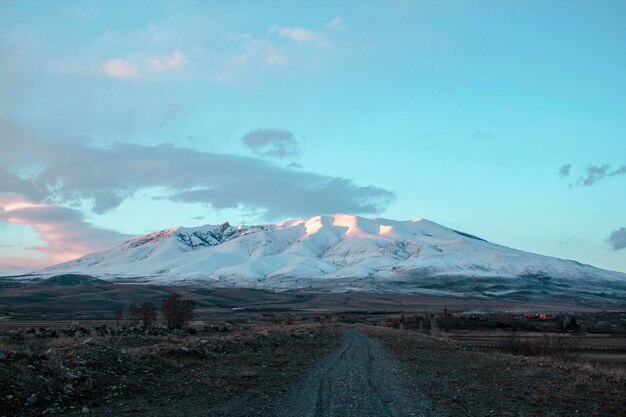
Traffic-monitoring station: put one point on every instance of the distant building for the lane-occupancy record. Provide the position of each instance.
(542, 316)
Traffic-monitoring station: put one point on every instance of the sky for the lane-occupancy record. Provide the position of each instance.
(506, 120)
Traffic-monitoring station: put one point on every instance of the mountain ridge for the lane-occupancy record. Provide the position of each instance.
(341, 253)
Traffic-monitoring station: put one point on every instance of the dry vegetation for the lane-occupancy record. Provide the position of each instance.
(465, 381)
(240, 361)
(76, 371)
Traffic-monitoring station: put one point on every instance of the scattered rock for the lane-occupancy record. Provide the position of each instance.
(249, 373)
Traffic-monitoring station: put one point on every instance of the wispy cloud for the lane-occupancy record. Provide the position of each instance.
(277, 143)
(119, 68)
(571, 240)
(480, 135)
(259, 51)
(158, 49)
(64, 230)
(592, 174)
(106, 177)
(619, 171)
(128, 70)
(165, 64)
(617, 239)
(595, 173)
(302, 36)
(337, 23)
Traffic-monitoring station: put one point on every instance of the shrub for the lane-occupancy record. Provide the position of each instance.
(148, 314)
(134, 313)
(178, 311)
(119, 316)
(549, 344)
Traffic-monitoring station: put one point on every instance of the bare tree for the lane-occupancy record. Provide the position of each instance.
(119, 316)
(148, 313)
(178, 311)
(134, 313)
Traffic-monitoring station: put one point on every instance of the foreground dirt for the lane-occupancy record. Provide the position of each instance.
(231, 371)
(461, 381)
(358, 378)
(301, 369)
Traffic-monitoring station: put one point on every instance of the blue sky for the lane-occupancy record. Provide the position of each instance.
(502, 119)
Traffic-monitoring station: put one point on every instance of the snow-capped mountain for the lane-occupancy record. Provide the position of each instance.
(344, 252)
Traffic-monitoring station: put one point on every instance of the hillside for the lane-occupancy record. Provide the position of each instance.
(346, 253)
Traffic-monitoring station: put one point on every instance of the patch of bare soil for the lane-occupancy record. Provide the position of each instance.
(461, 381)
(234, 370)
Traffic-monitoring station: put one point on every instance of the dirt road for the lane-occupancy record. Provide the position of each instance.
(358, 378)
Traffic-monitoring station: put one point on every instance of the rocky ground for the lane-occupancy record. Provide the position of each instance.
(462, 381)
(227, 369)
(266, 369)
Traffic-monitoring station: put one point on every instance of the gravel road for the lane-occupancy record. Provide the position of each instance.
(358, 378)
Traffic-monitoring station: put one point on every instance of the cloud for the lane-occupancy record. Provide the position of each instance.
(480, 135)
(11, 183)
(571, 240)
(119, 68)
(337, 23)
(617, 239)
(65, 231)
(595, 173)
(171, 63)
(565, 170)
(305, 196)
(127, 70)
(278, 143)
(14, 265)
(104, 177)
(242, 67)
(261, 50)
(302, 36)
(619, 171)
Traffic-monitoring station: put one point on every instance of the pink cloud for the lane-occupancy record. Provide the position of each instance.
(12, 265)
(119, 68)
(170, 63)
(66, 233)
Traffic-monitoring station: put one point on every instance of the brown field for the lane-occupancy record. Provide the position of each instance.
(99, 302)
(602, 350)
(245, 367)
(246, 349)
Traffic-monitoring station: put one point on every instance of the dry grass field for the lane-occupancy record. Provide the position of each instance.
(246, 349)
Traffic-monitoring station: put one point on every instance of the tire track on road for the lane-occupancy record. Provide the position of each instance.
(357, 378)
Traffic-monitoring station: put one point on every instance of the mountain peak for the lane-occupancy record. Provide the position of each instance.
(338, 252)
(151, 237)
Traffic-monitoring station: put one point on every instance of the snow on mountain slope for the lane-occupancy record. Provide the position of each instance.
(341, 252)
